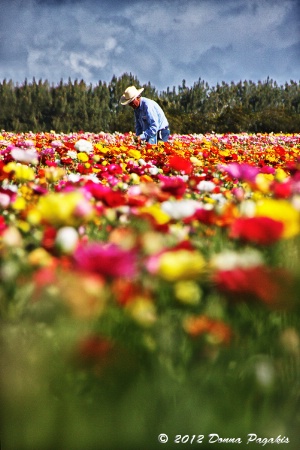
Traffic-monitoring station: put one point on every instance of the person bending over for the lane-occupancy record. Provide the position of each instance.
(151, 124)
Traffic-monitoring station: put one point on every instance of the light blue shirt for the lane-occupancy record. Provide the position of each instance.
(149, 119)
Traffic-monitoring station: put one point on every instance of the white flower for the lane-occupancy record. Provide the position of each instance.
(74, 177)
(29, 156)
(84, 146)
(229, 259)
(179, 209)
(264, 372)
(219, 198)
(72, 154)
(153, 170)
(142, 162)
(66, 239)
(248, 208)
(206, 186)
(56, 144)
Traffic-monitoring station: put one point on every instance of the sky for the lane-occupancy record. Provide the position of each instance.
(162, 41)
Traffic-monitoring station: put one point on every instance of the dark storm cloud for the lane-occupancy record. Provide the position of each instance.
(161, 42)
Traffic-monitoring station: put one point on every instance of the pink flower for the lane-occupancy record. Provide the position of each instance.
(243, 171)
(108, 260)
(175, 186)
(107, 195)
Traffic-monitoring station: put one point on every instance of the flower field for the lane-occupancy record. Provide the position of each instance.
(149, 289)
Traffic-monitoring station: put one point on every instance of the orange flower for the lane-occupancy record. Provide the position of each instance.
(217, 330)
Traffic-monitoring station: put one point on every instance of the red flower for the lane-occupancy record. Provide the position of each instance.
(206, 216)
(282, 190)
(108, 196)
(3, 225)
(180, 164)
(48, 239)
(259, 230)
(271, 286)
(94, 348)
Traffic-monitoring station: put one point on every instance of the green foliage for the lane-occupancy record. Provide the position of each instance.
(73, 106)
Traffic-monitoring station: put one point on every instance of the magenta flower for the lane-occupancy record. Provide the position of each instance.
(107, 260)
(243, 171)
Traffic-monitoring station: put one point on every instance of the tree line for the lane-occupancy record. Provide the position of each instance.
(72, 106)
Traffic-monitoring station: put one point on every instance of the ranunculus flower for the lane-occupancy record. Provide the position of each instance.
(181, 208)
(180, 164)
(64, 208)
(259, 230)
(175, 186)
(27, 156)
(282, 211)
(108, 260)
(66, 239)
(216, 330)
(156, 213)
(206, 186)
(180, 265)
(271, 286)
(21, 172)
(242, 171)
(7, 196)
(84, 146)
(229, 259)
(95, 349)
(83, 157)
(106, 194)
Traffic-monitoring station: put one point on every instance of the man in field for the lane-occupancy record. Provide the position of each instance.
(151, 124)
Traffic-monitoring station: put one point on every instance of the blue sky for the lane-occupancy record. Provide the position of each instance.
(161, 42)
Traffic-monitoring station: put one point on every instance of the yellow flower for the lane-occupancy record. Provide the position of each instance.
(143, 311)
(101, 148)
(19, 204)
(188, 292)
(282, 211)
(61, 208)
(82, 156)
(136, 154)
(23, 226)
(40, 257)
(263, 182)
(33, 217)
(157, 213)
(134, 178)
(280, 174)
(181, 265)
(196, 161)
(53, 174)
(22, 172)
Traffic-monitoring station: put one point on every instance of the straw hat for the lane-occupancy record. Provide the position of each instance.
(130, 94)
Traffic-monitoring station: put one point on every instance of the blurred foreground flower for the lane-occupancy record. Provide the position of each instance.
(180, 265)
(216, 331)
(108, 260)
(259, 230)
(282, 211)
(272, 286)
(66, 239)
(65, 208)
(27, 156)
